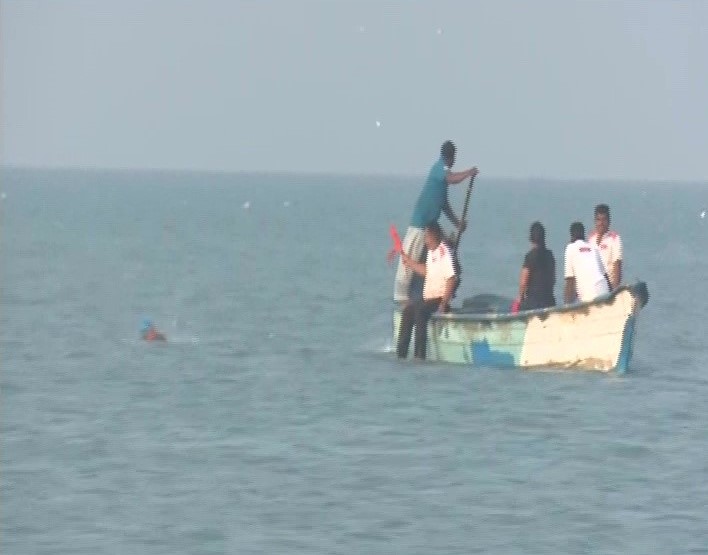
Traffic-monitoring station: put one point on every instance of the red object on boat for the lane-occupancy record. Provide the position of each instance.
(397, 245)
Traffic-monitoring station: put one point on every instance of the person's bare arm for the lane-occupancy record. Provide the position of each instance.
(449, 290)
(453, 178)
(523, 282)
(447, 210)
(570, 293)
(616, 274)
(417, 267)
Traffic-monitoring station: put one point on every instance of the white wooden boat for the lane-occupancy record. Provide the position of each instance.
(598, 335)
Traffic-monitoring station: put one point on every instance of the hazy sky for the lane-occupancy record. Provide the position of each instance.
(531, 88)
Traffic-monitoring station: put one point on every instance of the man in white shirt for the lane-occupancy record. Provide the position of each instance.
(585, 275)
(608, 243)
(440, 274)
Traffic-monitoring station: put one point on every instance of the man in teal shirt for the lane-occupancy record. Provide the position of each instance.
(431, 202)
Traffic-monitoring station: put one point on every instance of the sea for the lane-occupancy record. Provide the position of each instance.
(276, 418)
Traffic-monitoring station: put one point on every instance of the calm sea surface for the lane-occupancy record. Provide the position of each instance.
(276, 418)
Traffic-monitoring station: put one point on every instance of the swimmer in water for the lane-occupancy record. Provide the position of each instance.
(149, 333)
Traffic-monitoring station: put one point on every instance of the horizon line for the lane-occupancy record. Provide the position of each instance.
(340, 173)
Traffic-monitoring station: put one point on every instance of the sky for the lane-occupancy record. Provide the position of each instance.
(528, 89)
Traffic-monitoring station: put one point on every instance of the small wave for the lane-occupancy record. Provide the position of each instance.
(379, 346)
(175, 340)
(388, 347)
(186, 340)
(79, 354)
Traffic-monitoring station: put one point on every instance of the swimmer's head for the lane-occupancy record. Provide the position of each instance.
(147, 324)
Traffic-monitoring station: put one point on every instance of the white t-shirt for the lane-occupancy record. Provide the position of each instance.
(583, 262)
(439, 267)
(610, 248)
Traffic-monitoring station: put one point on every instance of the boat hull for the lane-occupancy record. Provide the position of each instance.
(591, 336)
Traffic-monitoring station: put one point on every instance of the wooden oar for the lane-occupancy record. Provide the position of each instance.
(464, 214)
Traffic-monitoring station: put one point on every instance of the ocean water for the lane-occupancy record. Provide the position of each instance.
(276, 418)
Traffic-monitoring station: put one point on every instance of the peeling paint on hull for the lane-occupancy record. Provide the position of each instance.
(589, 336)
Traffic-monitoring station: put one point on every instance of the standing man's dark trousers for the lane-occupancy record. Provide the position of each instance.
(417, 313)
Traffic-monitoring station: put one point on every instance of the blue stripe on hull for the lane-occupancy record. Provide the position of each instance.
(484, 355)
(627, 346)
(491, 344)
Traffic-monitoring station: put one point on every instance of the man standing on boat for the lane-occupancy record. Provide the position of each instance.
(431, 202)
(585, 275)
(609, 244)
(440, 281)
